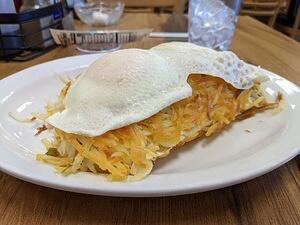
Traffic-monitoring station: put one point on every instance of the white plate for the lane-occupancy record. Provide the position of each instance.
(231, 157)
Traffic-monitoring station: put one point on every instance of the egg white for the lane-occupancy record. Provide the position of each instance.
(130, 85)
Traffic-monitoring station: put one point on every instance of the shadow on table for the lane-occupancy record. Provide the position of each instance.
(176, 23)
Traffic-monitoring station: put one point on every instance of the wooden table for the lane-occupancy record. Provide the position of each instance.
(270, 199)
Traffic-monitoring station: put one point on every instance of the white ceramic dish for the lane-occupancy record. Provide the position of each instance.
(229, 158)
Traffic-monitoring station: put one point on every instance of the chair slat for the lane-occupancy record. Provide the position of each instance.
(260, 4)
(262, 8)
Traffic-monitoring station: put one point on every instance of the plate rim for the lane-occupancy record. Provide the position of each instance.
(14, 171)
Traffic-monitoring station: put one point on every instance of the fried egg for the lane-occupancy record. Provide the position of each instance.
(130, 85)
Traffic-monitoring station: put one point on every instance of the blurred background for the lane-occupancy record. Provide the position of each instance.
(24, 24)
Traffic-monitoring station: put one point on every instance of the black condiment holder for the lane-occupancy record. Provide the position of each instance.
(15, 45)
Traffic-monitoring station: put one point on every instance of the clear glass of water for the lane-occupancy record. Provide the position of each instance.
(212, 22)
(98, 13)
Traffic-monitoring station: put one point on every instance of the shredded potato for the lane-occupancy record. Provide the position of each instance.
(21, 119)
(128, 153)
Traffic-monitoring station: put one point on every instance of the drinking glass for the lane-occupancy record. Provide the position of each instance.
(98, 13)
(212, 22)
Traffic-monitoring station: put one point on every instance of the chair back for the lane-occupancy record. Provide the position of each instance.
(174, 6)
(262, 8)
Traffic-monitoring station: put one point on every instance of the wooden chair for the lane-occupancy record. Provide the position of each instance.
(175, 6)
(262, 8)
(295, 29)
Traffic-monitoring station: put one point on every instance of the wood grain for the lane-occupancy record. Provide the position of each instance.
(270, 199)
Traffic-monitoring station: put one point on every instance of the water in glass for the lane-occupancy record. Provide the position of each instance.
(212, 22)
